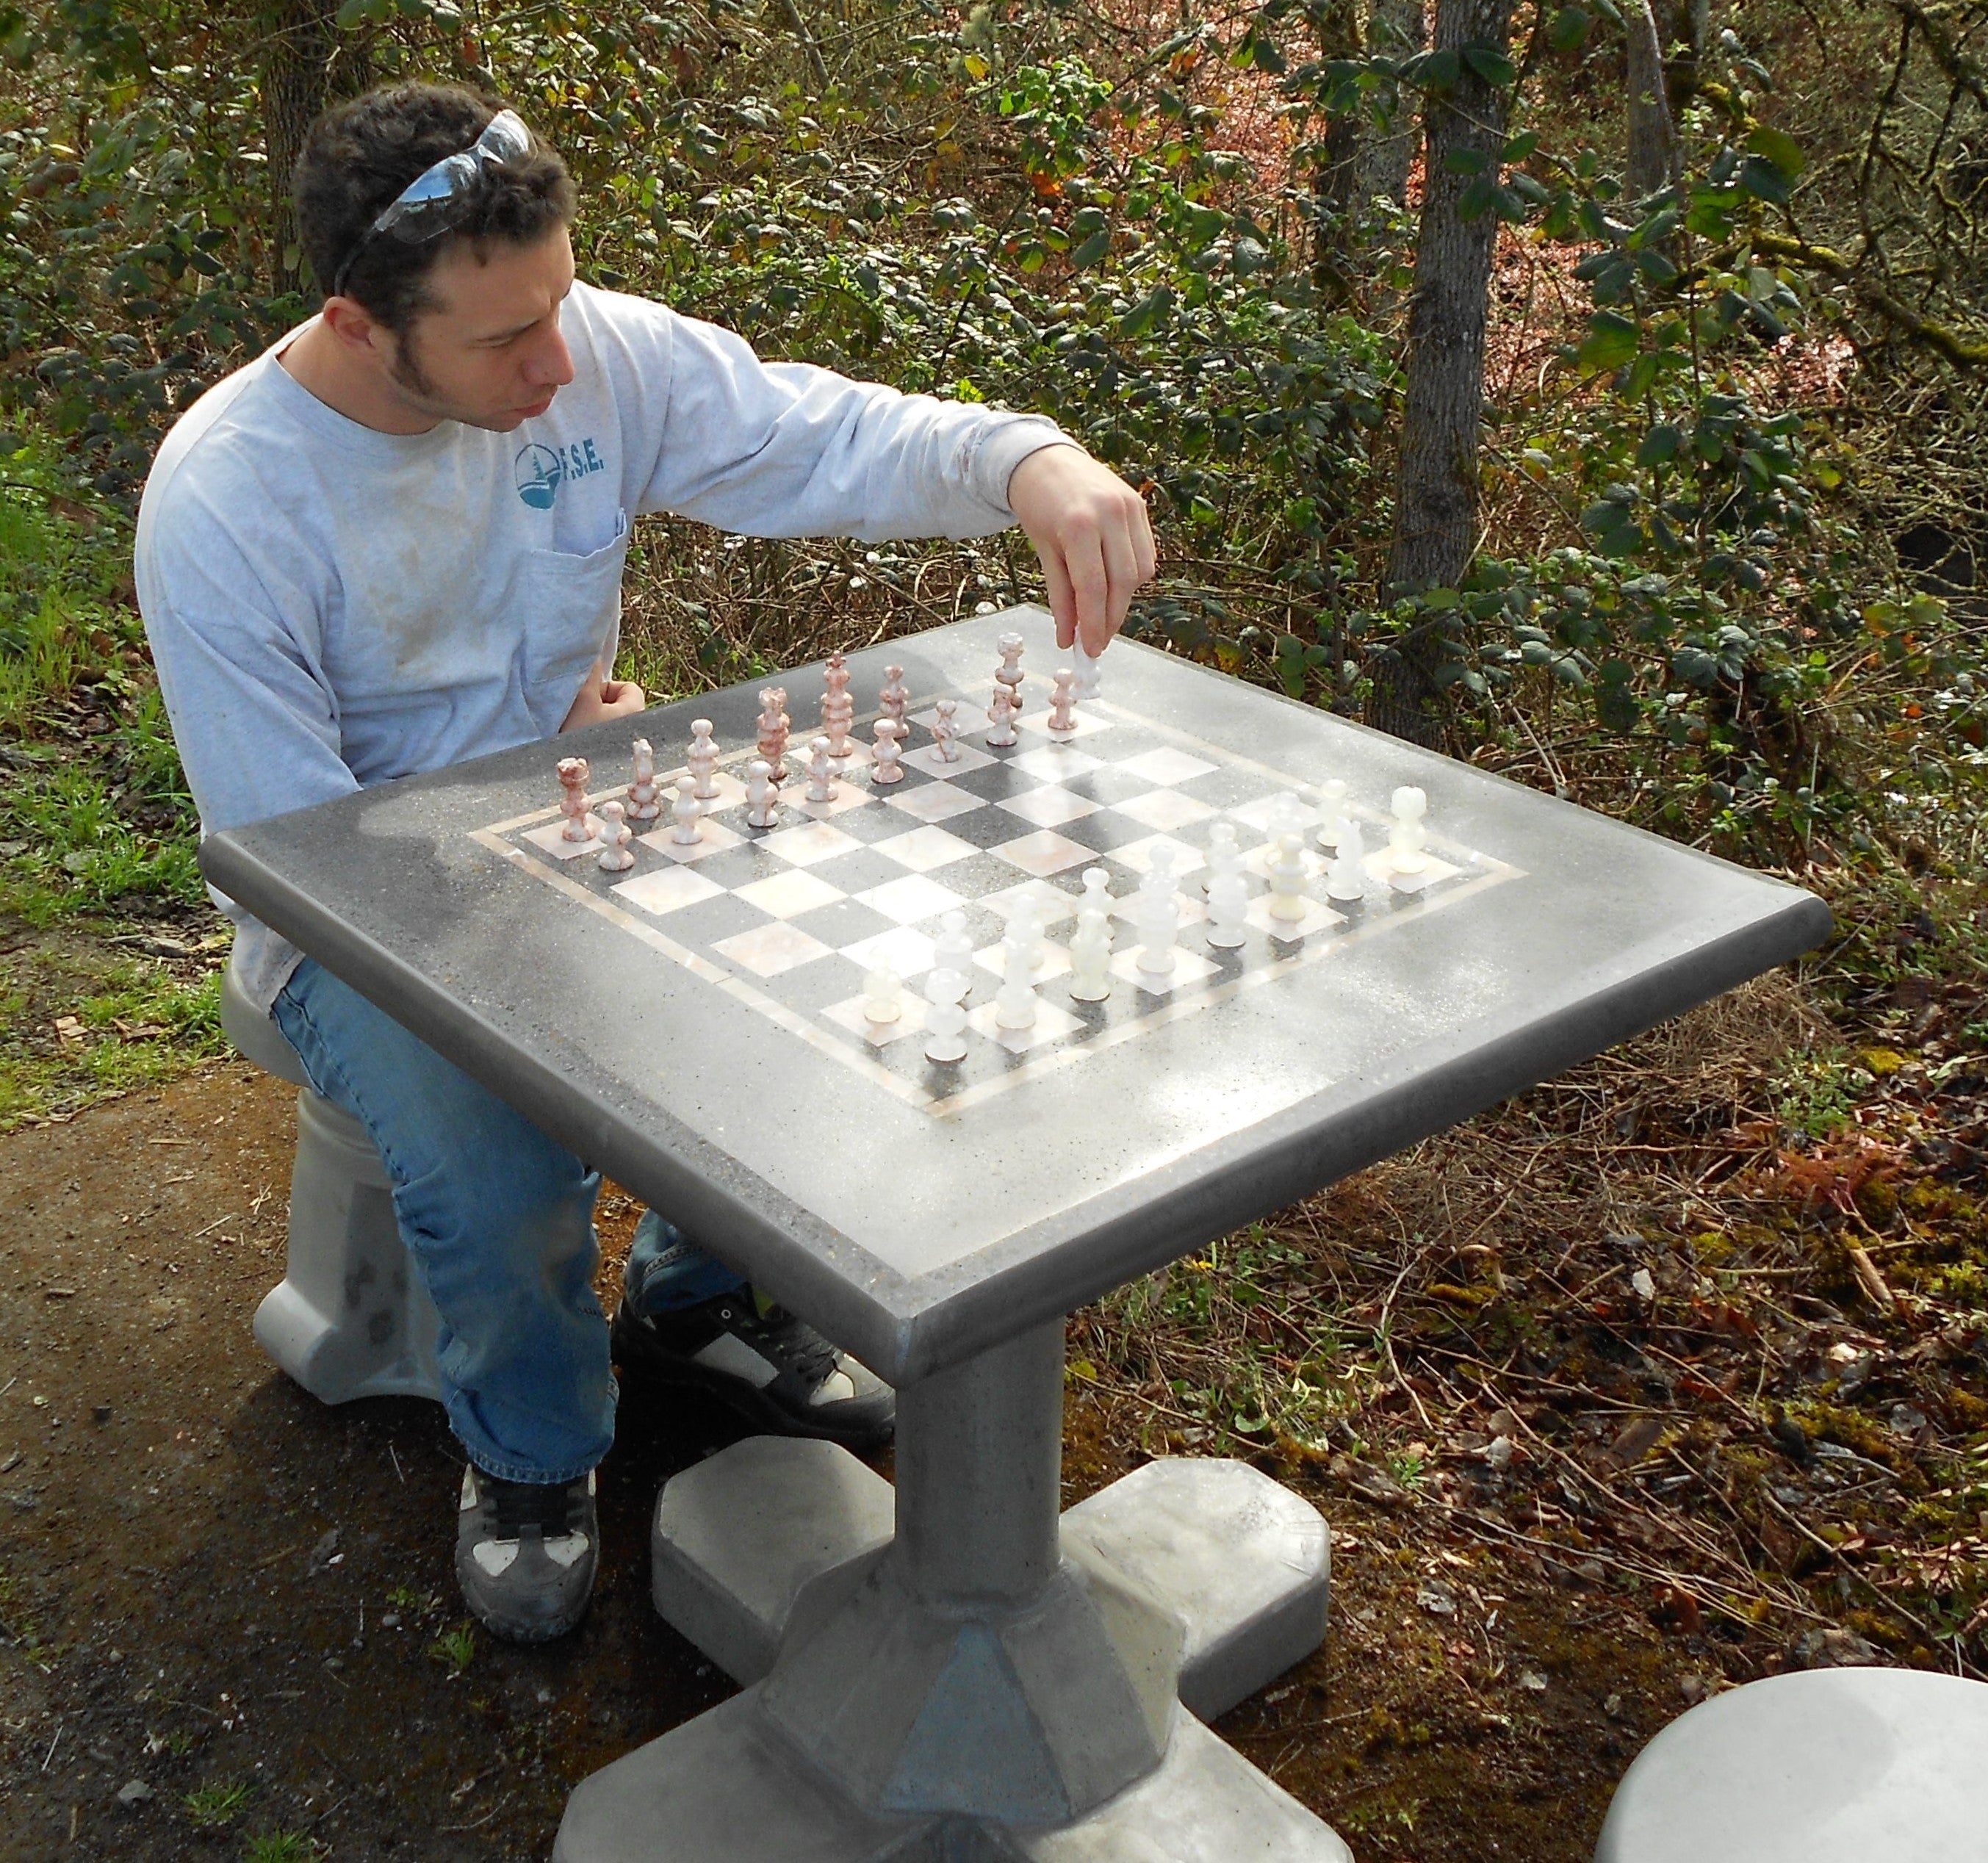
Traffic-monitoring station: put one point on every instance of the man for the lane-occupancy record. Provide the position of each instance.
(394, 541)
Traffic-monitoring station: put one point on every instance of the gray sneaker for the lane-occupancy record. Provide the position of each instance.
(525, 1553)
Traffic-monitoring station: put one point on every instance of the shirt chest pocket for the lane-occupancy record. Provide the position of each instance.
(571, 609)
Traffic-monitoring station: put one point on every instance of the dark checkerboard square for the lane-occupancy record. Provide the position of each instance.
(843, 923)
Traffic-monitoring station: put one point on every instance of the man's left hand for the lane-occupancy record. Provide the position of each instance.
(603, 697)
(1090, 529)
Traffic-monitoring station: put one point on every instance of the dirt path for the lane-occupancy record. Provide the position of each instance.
(216, 1587)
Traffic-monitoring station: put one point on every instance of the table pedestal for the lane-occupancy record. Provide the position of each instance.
(987, 1684)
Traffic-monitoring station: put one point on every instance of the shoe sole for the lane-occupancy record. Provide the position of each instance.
(635, 1351)
(512, 1631)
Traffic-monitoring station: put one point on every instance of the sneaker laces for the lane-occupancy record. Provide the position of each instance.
(513, 1506)
(796, 1345)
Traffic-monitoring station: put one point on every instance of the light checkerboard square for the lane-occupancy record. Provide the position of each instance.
(934, 802)
(910, 898)
(1083, 725)
(1050, 808)
(667, 890)
(1138, 855)
(1188, 970)
(923, 849)
(551, 839)
(1044, 853)
(1051, 1024)
(1167, 766)
(1055, 762)
(712, 837)
(965, 757)
(1165, 809)
(1290, 931)
(849, 1015)
(909, 953)
(1055, 961)
(803, 846)
(1051, 903)
(788, 895)
(1381, 866)
(769, 950)
(1258, 813)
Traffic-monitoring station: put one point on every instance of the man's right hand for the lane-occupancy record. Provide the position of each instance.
(602, 697)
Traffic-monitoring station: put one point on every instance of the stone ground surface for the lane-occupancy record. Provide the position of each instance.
(214, 1586)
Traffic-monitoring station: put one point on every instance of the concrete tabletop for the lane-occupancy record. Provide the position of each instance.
(913, 1219)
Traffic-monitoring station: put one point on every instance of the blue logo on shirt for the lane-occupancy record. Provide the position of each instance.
(540, 469)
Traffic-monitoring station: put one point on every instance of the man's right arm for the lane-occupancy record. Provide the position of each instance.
(253, 714)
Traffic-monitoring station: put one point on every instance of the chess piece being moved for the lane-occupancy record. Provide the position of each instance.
(1001, 734)
(686, 814)
(1345, 879)
(821, 772)
(644, 799)
(838, 709)
(895, 697)
(762, 803)
(1090, 679)
(1156, 913)
(946, 985)
(1288, 902)
(573, 776)
(1407, 836)
(774, 725)
(945, 729)
(1331, 812)
(889, 736)
(616, 856)
(883, 995)
(1062, 712)
(702, 760)
(1090, 944)
(1228, 892)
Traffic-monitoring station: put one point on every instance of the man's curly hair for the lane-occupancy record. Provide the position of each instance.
(359, 155)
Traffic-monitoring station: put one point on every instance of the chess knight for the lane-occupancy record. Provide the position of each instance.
(462, 434)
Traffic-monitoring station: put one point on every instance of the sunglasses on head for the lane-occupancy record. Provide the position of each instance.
(437, 197)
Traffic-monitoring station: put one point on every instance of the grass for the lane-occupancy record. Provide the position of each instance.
(455, 1649)
(280, 1847)
(215, 1806)
(109, 951)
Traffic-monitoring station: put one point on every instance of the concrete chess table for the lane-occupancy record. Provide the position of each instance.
(950, 1671)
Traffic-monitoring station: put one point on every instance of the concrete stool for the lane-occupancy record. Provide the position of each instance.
(1882, 1765)
(349, 1318)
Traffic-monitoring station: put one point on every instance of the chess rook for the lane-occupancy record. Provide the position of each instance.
(1010, 671)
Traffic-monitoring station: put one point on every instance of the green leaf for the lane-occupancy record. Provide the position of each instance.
(1093, 249)
(1611, 341)
(1568, 30)
(1779, 148)
(1491, 65)
(1466, 161)
(1764, 181)
(1479, 199)
(1433, 70)
(1521, 147)
(1641, 377)
(1660, 444)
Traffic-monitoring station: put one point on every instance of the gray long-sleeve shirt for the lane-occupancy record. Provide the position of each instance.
(331, 608)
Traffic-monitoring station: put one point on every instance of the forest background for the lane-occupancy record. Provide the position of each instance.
(1598, 391)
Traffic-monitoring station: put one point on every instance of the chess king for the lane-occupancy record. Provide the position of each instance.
(394, 541)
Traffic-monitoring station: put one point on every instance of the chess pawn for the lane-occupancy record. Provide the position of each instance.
(774, 725)
(945, 1013)
(1090, 679)
(883, 995)
(702, 759)
(762, 805)
(616, 857)
(1288, 902)
(645, 802)
(1331, 813)
(895, 697)
(1001, 735)
(953, 948)
(1010, 671)
(1228, 892)
(1157, 915)
(1063, 715)
(686, 814)
(573, 776)
(1015, 1001)
(1346, 879)
(945, 730)
(821, 772)
(886, 768)
(1090, 945)
(1406, 834)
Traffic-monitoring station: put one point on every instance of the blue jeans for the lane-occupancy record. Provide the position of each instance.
(498, 1222)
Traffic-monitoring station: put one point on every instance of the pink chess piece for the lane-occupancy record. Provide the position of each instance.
(574, 775)
(889, 738)
(774, 725)
(895, 696)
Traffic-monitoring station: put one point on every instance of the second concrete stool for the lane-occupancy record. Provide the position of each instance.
(349, 1318)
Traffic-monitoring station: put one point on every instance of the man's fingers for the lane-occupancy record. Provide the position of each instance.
(1084, 560)
(1121, 562)
(1063, 601)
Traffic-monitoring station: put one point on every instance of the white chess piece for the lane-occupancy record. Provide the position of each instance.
(1288, 878)
(1089, 678)
(703, 760)
(1331, 812)
(1063, 716)
(1090, 944)
(644, 800)
(883, 995)
(1288, 816)
(821, 772)
(1228, 892)
(895, 696)
(573, 775)
(946, 985)
(1015, 1001)
(945, 730)
(1157, 915)
(616, 855)
(1346, 879)
(890, 740)
(688, 814)
(762, 805)
(1407, 835)
(1002, 735)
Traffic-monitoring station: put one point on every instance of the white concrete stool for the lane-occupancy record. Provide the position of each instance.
(1879, 1765)
(350, 1319)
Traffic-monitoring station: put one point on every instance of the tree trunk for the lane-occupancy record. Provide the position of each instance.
(1683, 26)
(1653, 143)
(1398, 30)
(1435, 501)
(303, 45)
(1335, 199)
